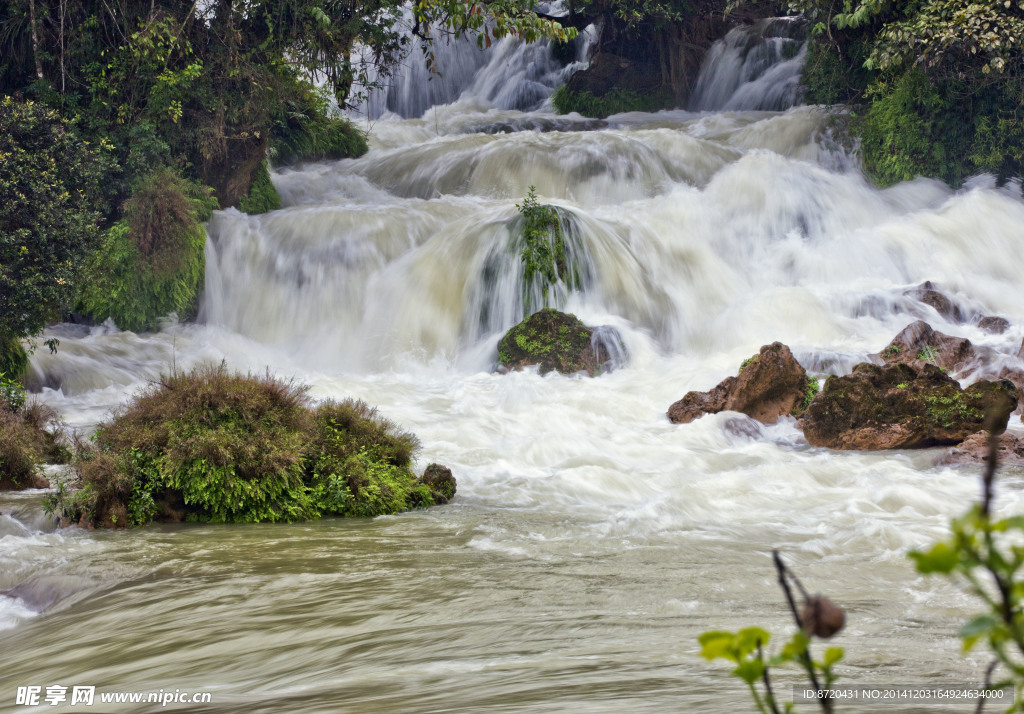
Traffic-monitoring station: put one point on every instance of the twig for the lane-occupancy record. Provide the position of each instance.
(804, 657)
(769, 695)
(988, 683)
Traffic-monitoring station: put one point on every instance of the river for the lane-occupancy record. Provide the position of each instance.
(591, 541)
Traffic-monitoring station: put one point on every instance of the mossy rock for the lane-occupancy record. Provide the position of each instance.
(899, 407)
(262, 196)
(552, 340)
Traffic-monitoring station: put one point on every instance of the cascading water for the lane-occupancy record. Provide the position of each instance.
(507, 75)
(591, 540)
(753, 67)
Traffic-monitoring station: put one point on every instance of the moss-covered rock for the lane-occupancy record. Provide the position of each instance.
(213, 446)
(554, 341)
(151, 263)
(616, 101)
(899, 407)
(262, 196)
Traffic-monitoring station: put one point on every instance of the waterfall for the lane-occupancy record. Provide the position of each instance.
(506, 75)
(754, 67)
(591, 540)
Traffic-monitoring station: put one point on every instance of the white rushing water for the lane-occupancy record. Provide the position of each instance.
(591, 540)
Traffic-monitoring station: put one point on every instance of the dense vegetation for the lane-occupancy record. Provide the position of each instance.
(30, 433)
(209, 445)
(939, 83)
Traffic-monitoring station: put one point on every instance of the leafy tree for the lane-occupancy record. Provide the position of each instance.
(48, 178)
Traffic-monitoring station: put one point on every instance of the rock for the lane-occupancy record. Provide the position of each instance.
(38, 480)
(608, 72)
(441, 482)
(918, 344)
(995, 325)
(927, 293)
(554, 341)
(1016, 376)
(770, 384)
(974, 450)
(899, 407)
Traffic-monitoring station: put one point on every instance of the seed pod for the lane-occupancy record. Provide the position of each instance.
(821, 618)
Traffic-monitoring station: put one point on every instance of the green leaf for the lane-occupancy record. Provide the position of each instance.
(717, 643)
(750, 670)
(832, 655)
(940, 559)
(980, 626)
(748, 639)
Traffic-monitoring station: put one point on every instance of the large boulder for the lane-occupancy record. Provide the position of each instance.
(918, 344)
(899, 407)
(769, 385)
(554, 341)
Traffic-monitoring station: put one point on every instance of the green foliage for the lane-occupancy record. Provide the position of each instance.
(811, 390)
(13, 358)
(262, 195)
(543, 252)
(308, 132)
(494, 19)
(151, 262)
(12, 394)
(48, 177)
(30, 433)
(834, 71)
(748, 361)
(616, 101)
(746, 648)
(985, 555)
(243, 449)
(361, 463)
(908, 132)
(926, 354)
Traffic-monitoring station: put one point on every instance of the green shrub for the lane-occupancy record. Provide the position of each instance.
(29, 435)
(317, 140)
(361, 463)
(541, 235)
(834, 72)
(943, 129)
(151, 262)
(242, 449)
(13, 358)
(262, 196)
(617, 101)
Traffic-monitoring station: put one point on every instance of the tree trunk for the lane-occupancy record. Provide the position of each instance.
(35, 37)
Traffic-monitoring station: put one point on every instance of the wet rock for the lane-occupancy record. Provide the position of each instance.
(744, 427)
(554, 341)
(440, 481)
(993, 324)
(918, 344)
(608, 72)
(899, 407)
(770, 384)
(974, 450)
(928, 293)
